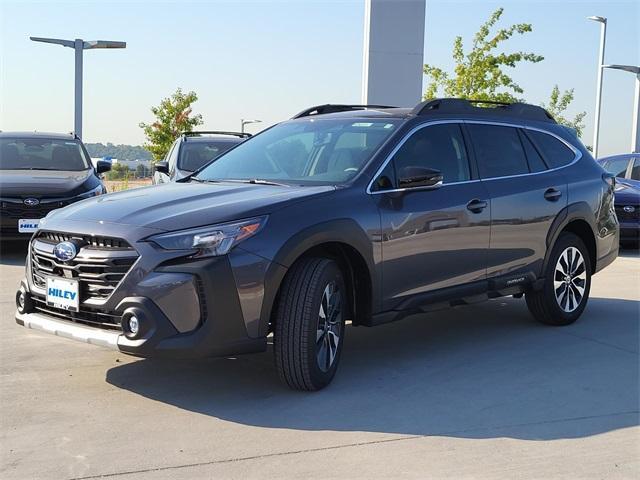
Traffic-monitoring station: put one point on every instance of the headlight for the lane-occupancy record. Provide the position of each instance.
(99, 190)
(210, 241)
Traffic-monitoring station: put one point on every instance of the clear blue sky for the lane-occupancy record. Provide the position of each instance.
(269, 59)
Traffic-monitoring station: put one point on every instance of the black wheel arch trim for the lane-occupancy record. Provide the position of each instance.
(571, 213)
(344, 231)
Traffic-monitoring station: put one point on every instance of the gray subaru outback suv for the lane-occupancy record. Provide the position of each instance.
(343, 213)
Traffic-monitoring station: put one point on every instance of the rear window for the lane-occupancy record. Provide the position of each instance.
(42, 154)
(197, 154)
(554, 152)
(498, 150)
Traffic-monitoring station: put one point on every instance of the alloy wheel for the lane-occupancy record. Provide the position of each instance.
(570, 279)
(329, 326)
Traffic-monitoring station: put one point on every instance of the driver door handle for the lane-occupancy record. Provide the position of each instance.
(476, 205)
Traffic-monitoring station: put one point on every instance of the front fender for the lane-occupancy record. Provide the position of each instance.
(345, 231)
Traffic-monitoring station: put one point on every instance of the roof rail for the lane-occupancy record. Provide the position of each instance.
(333, 108)
(215, 132)
(468, 107)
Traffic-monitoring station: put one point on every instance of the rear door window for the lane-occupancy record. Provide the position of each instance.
(554, 152)
(498, 149)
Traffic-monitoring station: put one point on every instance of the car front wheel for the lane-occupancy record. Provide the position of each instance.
(309, 324)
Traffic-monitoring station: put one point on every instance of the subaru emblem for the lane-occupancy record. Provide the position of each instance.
(629, 208)
(31, 202)
(65, 251)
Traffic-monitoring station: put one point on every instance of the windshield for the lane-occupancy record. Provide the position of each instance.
(315, 152)
(42, 154)
(196, 154)
(617, 166)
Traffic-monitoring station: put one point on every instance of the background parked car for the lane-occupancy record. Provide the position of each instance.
(626, 168)
(42, 172)
(192, 151)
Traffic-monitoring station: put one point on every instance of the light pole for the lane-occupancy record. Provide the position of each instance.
(635, 129)
(603, 35)
(79, 46)
(244, 122)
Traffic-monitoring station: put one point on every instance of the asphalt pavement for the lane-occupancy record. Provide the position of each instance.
(474, 392)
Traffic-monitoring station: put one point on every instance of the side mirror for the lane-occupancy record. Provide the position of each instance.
(161, 167)
(102, 166)
(419, 177)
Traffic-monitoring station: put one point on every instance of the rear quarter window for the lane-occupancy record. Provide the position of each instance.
(555, 153)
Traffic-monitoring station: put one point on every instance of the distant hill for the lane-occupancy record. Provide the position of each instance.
(121, 152)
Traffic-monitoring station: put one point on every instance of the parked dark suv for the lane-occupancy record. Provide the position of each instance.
(40, 172)
(626, 169)
(193, 150)
(344, 213)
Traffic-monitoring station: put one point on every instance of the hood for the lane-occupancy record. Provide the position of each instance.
(176, 206)
(626, 193)
(41, 183)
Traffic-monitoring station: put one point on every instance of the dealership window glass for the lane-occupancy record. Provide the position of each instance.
(555, 152)
(536, 163)
(42, 154)
(310, 151)
(439, 147)
(196, 154)
(498, 150)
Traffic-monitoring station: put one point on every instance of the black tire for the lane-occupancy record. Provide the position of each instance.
(298, 324)
(552, 309)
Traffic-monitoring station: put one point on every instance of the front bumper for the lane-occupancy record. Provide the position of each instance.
(187, 308)
(45, 323)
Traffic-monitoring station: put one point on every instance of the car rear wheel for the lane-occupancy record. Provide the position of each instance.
(567, 282)
(309, 330)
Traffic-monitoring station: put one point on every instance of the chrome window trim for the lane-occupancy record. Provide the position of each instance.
(577, 153)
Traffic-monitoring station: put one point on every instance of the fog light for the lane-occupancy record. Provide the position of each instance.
(133, 324)
(21, 301)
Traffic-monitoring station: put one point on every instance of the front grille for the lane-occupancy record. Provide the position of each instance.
(19, 210)
(87, 316)
(627, 216)
(97, 242)
(100, 265)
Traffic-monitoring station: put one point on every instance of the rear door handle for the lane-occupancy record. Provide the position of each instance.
(552, 194)
(476, 206)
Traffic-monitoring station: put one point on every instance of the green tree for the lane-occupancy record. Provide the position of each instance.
(479, 74)
(141, 171)
(119, 171)
(173, 116)
(557, 106)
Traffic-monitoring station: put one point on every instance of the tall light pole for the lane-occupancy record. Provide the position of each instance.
(603, 36)
(80, 46)
(244, 122)
(635, 129)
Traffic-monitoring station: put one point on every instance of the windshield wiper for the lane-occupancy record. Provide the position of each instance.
(202, 180)
(261, 181)
(253, 181)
